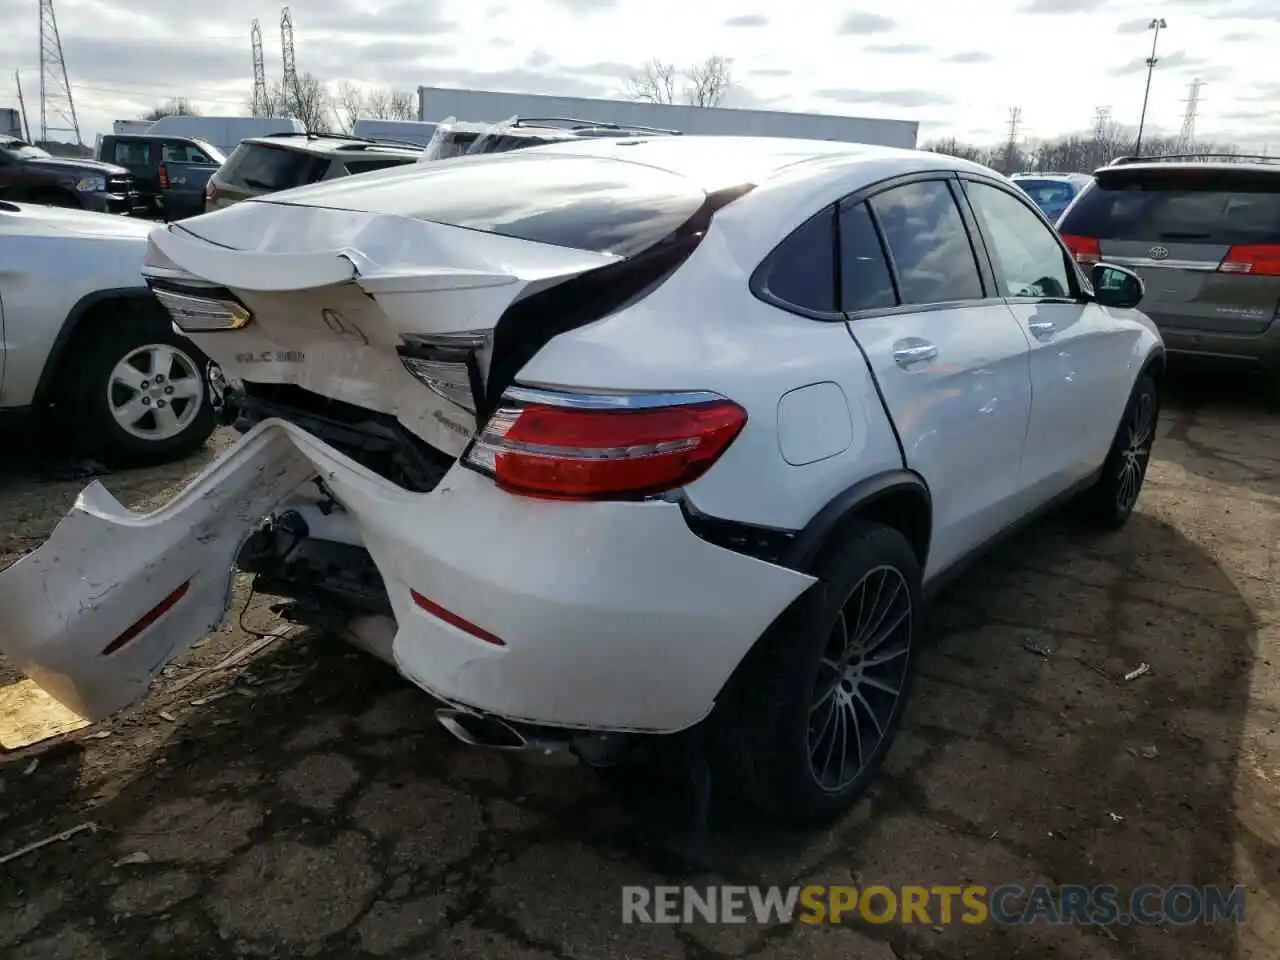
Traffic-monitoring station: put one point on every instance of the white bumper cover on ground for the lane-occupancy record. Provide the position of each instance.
(614, 616)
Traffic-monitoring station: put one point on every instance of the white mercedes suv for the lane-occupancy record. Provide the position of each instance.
(617, 439)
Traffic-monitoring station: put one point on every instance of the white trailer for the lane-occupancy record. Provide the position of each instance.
(10, 123)
(437, 103)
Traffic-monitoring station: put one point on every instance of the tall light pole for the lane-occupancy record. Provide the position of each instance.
(1157, 24)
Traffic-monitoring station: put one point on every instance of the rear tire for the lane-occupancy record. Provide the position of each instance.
(1109, 503)
(113, 368)
(828, 681)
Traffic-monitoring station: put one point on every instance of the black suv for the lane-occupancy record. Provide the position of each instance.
(1203, 232)
(262, 165)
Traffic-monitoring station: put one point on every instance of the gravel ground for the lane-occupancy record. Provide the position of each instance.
(306, 804)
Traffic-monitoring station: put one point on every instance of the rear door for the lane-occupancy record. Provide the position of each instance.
(1205, 238)
(950, 359)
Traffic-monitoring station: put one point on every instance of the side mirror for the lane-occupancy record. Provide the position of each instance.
(1116, 287)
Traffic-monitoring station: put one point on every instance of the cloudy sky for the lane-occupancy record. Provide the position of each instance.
(958, 68)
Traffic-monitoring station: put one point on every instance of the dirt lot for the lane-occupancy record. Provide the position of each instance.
(315, 809)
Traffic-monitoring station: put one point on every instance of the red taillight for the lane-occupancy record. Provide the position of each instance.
(210, 192)
(164, 177)
(1257, 259)
(1084, 249)
(603, 448)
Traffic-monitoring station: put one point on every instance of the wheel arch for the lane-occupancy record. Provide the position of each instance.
(1154, 367)
(89, 310)
(897, 498)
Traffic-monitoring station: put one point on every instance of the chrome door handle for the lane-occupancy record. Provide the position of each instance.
(1042, 328)
(919, 353)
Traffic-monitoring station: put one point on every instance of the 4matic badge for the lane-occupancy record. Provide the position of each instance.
(272, 356)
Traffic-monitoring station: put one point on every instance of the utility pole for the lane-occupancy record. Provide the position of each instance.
(1157, 24)
(22, 105)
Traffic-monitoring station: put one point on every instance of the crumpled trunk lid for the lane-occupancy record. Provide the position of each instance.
(382, 311)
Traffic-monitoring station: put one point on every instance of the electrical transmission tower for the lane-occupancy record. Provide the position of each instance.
(1187, 136)
(290, 85)
(1011, 148)
(1101, 123)
(261, 103)
(56, 103)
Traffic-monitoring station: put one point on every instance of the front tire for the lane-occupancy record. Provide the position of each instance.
(1109, 503)
(813, 710)
(135, 393)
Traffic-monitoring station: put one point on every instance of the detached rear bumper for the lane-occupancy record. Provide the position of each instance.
(611, 616)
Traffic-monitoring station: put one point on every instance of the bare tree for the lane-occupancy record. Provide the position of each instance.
(1073, 153)
(709, 82)
(175, 107)
(385, 103)
(655, 82)
(702, 85)
(379, 103)
(308, 102)
(349, 105)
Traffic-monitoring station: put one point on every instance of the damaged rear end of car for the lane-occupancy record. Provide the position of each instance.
(513, 548)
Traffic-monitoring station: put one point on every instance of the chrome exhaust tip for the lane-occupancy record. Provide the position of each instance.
(477, 730)
(481, 730)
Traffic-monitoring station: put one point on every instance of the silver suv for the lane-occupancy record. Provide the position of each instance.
(1204, 235)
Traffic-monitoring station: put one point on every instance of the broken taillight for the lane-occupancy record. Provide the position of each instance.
(1256, 259)
(567, 446)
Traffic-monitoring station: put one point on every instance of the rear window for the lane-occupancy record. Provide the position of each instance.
(364, 166)
(1046, 192)
(1209, 206)
(587, 203)
(257, 166)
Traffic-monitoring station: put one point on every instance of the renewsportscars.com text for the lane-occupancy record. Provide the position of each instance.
(1008, 905)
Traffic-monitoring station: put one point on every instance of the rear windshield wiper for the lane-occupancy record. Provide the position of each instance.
(1183, 235)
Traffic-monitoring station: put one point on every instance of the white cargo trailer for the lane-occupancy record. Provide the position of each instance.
(437, 103)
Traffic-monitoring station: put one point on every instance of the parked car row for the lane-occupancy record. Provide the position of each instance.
(622, 439)
(1203, 232)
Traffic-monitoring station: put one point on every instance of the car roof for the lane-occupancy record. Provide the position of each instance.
(332, 143)
(716, 161)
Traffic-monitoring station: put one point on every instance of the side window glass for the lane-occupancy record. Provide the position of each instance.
(928, 242)
(804, 268)
(865, 283)
(1026, 256)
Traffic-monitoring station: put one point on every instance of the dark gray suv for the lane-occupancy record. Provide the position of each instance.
(1204, 235)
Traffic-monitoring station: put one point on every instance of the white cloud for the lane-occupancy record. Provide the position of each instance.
(958, 68)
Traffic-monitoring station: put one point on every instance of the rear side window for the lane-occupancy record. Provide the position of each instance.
(928, 242)
(803, 272)
(1196, 206)
(260, 167)
(364, 166)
